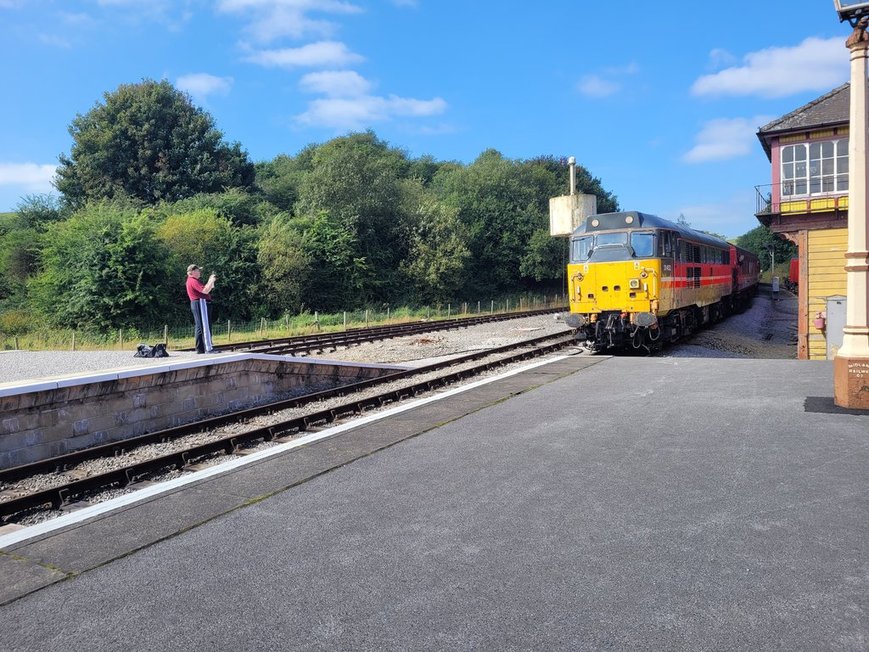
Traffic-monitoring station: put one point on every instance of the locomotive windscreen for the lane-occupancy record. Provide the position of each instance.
(612, 246)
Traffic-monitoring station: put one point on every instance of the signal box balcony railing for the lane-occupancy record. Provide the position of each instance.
(771, 201)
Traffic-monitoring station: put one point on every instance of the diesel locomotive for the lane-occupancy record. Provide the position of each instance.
(637, 280)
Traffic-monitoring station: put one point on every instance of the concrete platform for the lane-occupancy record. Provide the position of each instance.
(610, 503)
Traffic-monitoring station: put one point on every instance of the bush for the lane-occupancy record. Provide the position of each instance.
(15, 322)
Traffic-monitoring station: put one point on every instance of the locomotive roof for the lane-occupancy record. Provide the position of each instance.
(615, 221)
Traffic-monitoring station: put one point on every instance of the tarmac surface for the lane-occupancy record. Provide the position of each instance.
(589, 503)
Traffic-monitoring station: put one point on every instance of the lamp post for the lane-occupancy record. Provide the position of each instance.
(851, 364)
(770, 247)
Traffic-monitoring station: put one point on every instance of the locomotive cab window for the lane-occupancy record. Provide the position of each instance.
(610, 247)
(581, 249)
(612, 239)
(643, 244)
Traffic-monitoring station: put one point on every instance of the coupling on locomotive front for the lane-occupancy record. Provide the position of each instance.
(637, 280)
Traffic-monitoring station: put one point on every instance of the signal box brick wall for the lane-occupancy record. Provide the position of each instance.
(37, 425)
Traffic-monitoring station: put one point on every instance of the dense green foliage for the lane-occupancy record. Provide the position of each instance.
(148, 142)
(102, 268)
(150, 187)
(759, 241)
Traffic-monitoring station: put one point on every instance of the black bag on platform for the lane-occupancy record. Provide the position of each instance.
(147, 351)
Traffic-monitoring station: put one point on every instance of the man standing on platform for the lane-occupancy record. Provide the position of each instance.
(200, 295)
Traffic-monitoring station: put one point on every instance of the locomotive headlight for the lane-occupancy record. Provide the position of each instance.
(629, 219)
(634, 283)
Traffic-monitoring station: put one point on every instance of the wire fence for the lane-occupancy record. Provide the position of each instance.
(179, 336)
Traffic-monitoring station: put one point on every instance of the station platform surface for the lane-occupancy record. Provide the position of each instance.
(587, 503)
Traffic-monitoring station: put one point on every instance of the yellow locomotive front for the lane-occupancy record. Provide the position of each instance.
(615, 281)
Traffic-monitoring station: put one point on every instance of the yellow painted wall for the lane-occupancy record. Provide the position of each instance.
(826, 269)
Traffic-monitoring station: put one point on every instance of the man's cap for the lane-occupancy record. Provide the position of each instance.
(191, 268)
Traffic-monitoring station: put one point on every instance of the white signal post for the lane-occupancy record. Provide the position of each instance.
(851, 364)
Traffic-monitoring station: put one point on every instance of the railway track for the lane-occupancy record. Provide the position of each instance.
(70, 486)
(321, 342)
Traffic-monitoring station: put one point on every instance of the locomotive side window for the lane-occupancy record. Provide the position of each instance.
(666, 241)
(643, 244)
(690, 253)
(581, 249)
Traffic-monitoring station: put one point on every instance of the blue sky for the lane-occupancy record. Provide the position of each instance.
(661, 104)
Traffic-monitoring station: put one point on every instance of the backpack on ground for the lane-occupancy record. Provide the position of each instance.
(148, 351)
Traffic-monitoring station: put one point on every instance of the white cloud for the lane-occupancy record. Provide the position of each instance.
(719, 58)
(335, 83)
(813, 65)
(200, 85)
(405, 3)
(273, 19)
(608, 83)
(54, 40)
(628, 69)
(434, 130)
(725, 138)
(288, 22)
(594, 86)
(323, 53)
(172, 14)
(76, 20)
(359, 112)
(333, 6)
(32, 177)
(146, 6)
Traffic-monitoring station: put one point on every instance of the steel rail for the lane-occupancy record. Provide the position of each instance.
(67, 461)
(123, 476)
(322, 341)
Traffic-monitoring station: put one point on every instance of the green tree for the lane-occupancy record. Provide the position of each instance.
(545, 258)
(758, 242)
(204, 238)
(281, 178)
(504, 205)
(38, 211)
(148, 141)
(101, 269)
(285, 265)
(340, 275)
(20, 241)
(239, 207)
(19, 250)
(438, 258)
(356, 181)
